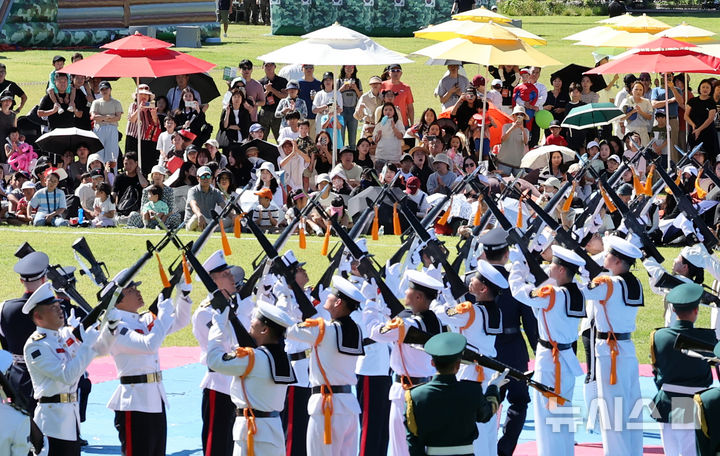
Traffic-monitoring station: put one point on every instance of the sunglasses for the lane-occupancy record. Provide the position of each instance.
(468, 165)
(395, 70)
(206, 177)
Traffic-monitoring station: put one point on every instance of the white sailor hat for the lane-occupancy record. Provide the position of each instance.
(622, 249)
(265, 311)
(424, 282)
(32, 266)
(44, 295)
(6, 361)
(116, 280)
(567, 258)
(486, 272)
(289, 259)
(543, 240)
(493, 240)
(345, 290)
(216, 262)
(694, 255)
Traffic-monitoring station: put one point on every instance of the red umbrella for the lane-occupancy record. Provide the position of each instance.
(136, 42)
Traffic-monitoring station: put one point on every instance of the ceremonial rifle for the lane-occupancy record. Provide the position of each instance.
(261, 259)
(113, 290)
(59, 280)
(419, 337)
(433, 248)
(464, 245)
(630, 220)
(686, 206)
(564, 238)
(97, 271)
(366, 266)
(699, 348)
(176, 269)
(306, 307)
(515, 237)
(669, 281)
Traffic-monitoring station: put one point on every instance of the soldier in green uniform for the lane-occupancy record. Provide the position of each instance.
(707, 415)
(441, 414)
(679, 377)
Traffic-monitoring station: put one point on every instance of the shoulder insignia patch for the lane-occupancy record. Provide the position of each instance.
(39, 336)
(229, 356)
(35, 354)
(451, 312)
(209, 324)
(123, 331)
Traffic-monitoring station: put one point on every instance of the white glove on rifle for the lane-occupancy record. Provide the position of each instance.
(89, 336)
(498, 379)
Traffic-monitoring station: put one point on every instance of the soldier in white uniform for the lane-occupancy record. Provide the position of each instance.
(217, 439)
(480, 323)
(411, 365)
(615, 302)
(56, 360)
(558, 306)
(337, 342)
(139, 401)
(15, 429)
(260, 377)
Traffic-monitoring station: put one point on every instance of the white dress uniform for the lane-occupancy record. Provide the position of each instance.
(332, 363)
(56, 360)
(15, 430)
(559, 324)
(480, 323)
(621, 429)
(262, 389)
(407, 361)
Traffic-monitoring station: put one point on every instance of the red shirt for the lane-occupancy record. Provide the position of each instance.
(403, 98)
(554, 140)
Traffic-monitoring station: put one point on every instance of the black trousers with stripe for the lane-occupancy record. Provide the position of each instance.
(59, 447)
(372, 394)
(218, 415)
(141, 433)
(295, 420)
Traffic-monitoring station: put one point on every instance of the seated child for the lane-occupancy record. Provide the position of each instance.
(154, 207)
(104, 209)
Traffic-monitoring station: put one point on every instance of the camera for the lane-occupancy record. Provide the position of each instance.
(432, 137)
(191, 104)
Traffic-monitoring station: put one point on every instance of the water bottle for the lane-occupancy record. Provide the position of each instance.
(81, 216)
(381, 231)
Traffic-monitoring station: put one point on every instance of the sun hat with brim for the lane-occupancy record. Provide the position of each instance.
(144, 89)
(419, 149)
(375, 80)
(268, 167)
(520, 110)
(443, 158)
(159, 169)
(61, 173)
(553, 182)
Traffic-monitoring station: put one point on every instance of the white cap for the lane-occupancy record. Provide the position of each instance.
(615, 158)
(598, 56)
(337, 173)
(543, 240)
(273, 313)
(566, 257)
(489, 272)
(694, 255)
(203, 170)
(322, 177)
(553, 181)
(593, 144)
(347, 291)
(6, 361)
(424, 282)
(620, 247)
(43, 296)
(159, 169)
(690, 169)
(289, 259)
(216, 262)
(495, 82)
(27, 185)
(32, 266)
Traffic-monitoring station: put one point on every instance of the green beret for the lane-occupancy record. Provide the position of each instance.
(446, 345)
(686, 296)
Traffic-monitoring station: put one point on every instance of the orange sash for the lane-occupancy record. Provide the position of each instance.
(612, 340)
(248, 411)
(543, 292)
(325, 388)
(465, 307)
(399, 323)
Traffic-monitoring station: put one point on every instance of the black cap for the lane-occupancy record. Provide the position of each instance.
(328, 75)
(629, 79)
(97, 172)
(555, 123)
(625, 190)
(245, 63)
(104, 85)
(58, 58)
(394, 66)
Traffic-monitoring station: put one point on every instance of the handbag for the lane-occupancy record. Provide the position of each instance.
(222, 138)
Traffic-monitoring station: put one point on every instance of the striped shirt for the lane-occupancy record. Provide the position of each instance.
(48, 202)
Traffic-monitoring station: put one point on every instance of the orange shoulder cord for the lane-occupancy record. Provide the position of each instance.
(399, 323)
(568, 201)
(248, 411)
(544, 292)
(467, 307)
(237, 225)
(325, 388)
(444, 219)
(612, 341)
(608, 202)
(478, 212)
(700, 192)
(649, 181)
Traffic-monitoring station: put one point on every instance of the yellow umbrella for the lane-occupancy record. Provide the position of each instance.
(517, 53)
(481, 14)
(621, 39)
(618, 20)
(478, 32)
(688, 33)
(590, 33)
(643, 24)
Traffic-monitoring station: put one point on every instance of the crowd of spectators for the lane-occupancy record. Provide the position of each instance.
(349, 131)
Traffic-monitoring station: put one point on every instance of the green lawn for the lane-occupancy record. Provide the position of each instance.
(119, 248)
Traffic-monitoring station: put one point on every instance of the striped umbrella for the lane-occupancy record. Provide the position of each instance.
(592, 115)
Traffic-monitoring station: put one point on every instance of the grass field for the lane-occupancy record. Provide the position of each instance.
(119, 248)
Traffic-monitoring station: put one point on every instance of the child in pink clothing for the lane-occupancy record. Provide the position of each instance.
(22, 157)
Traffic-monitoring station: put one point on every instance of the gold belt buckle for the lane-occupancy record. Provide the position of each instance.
(308, 352)
(68, 397)
(154, 377)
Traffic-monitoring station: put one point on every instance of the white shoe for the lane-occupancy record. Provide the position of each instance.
(71, 109)
(60, 110)
(225, 35)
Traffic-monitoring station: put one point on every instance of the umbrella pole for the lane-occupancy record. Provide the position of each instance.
(139, 123)
(685, 95)
(484, 122)
(667, 122)
(334, 126)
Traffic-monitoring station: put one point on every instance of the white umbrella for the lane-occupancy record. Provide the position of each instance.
(538, 157)
(335, 45)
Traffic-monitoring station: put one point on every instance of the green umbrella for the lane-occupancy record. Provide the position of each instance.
(592, 115)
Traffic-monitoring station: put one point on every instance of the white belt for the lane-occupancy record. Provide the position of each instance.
(450, 450)
(690, 390)
(20, 359)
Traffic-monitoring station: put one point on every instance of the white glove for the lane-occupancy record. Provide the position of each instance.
(220, 320)
(185, 288)
(165, 308)
(72, 320)
(498, 379)
(369, 290)
(89, 336)
(516, 255)
(323, 294)
(280, 288)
